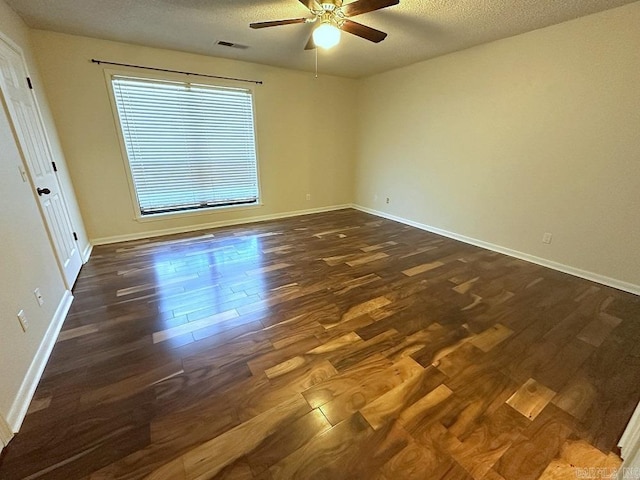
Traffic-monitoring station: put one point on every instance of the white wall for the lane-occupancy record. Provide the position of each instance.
(304, 133)
(28, 261)
(505, 141)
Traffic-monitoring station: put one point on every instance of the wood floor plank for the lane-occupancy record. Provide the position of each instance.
(324, 453)
(209, 458)
(380, 447)
(361, 309)
(418, 269)
(479, 398)
(491, 337)
(189, 327)
(531, 398)
(357, 397)
(489, 442)
(286, 441)
(366, 259)
(577, 458)
(392, 404)
(576, 397)
(538, 445)
(413, 461)
(132, 385)
(334, 386)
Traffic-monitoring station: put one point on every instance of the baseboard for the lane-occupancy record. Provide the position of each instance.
(20, 405)
(207, 226)
(5, 433)
(86, 253)
(594, 277)
(630, 443)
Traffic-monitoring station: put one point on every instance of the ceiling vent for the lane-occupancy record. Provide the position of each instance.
(232, 45)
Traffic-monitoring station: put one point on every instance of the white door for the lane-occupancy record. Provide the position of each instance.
(34, 145)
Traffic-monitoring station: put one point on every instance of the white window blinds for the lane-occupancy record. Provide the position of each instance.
(189, 146)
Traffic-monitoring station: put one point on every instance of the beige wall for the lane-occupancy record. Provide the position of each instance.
(304, 127)
(28, 260)
(503, 142)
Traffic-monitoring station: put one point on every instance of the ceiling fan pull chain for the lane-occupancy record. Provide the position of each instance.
(316, 62)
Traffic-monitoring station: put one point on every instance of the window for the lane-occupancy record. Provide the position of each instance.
(189, 146)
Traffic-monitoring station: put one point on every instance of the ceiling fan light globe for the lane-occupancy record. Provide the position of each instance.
(326, 35)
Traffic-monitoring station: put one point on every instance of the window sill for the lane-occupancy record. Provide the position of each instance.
(157, 217)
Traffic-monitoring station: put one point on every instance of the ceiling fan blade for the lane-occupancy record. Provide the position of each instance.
(311, 45)
(364, 6)
(275, 23)
(363, 31)
(310, 4)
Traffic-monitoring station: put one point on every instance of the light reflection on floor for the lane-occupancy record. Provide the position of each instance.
(188, 283)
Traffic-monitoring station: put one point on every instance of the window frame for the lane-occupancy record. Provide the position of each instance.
(109, 73)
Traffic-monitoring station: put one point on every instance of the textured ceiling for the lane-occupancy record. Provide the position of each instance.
(418, 29)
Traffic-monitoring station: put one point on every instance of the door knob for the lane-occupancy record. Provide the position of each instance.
(43, 191)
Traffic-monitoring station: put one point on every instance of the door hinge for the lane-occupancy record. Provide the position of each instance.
(29, 83)
(55, 168)
(75, 236)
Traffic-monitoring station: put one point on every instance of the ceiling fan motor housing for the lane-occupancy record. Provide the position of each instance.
(330, 5)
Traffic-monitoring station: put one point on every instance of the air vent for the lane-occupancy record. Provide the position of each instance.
(232, 45)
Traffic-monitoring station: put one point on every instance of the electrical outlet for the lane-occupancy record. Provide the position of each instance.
(387, 199)
(308, 196)
(24, 323)
(38, 295)
(546, 238)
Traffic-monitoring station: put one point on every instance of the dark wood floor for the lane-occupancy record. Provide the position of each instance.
(335, 345)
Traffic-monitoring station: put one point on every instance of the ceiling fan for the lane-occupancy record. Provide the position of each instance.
(333, 17)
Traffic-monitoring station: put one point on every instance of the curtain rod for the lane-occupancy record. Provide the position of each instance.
(257, 82)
